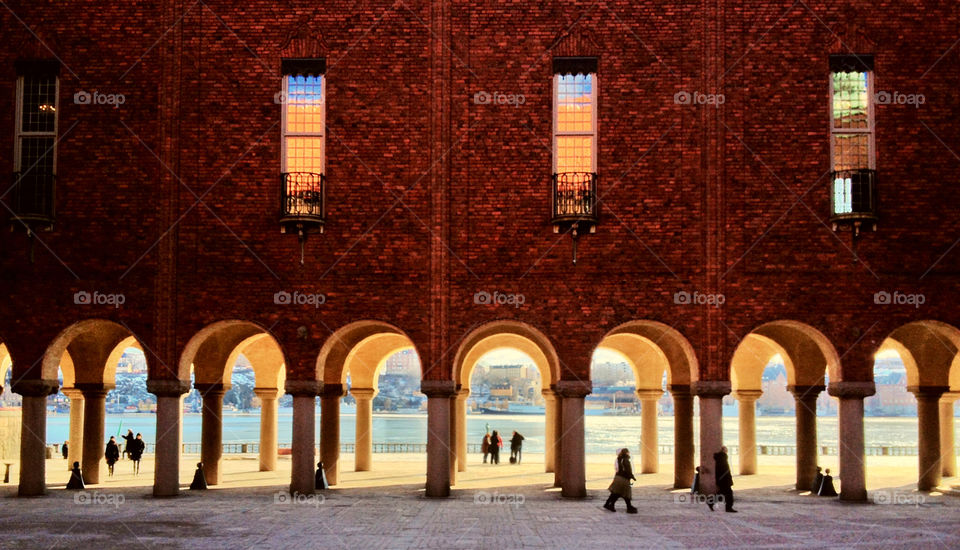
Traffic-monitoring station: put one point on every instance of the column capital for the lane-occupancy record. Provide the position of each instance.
(805, 392)
(574, 388)
(72, 393)
(93, 390)
(462, 393)
(950, 396)
(649, 394)
(267, 393)
(679, 390)
(851, 390)
(211, 388)
(710, 388)
(548, 393)
(363, 393)
(36, 388)
(746, 395)
(304, 388)
(438, 388)
(928, 392)
(168, 388)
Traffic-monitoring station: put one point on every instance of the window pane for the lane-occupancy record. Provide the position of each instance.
(574, 154)
(850, 102)
(574, 103)
(304, 104)
(39, 103)
(842, 195)
(36, 155)
(304, 154)
(851, 151)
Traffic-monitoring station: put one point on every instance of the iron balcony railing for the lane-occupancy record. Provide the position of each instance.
(853, 195)
(32, 197)
(574, 197)
(302, 197)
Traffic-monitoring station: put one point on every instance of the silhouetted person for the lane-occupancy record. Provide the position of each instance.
(137, 446)
(320, 480)
(129, 445)
(199, 481)
(65, 449)
(724, 479)
(495, 443)
(817, 481)
(485, 446)
(76, 478)
(516, 442)
(620, 487)
(695, 486)
(826, 487)
(112, 453)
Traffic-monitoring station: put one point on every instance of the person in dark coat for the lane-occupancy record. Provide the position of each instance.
(128, 447)
(136, 452)
(495, 444)
(620, 488)
(724, 479)
(516, 442)
(112, 453)
(76, 478)
(485, 446)
(199, 480)
(65, 449)
(320, 479)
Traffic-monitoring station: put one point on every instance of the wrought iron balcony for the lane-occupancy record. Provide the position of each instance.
(853, 198)
(32, 198)
(302, 201)
(574, 198)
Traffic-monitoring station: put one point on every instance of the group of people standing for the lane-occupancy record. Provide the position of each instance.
(133, 449)
(492, 443)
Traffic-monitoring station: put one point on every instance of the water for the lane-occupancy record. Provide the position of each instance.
(604, 434)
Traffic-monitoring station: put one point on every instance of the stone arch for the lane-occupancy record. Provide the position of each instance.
(928, 350)
(646, 342)
(5, 363)
(506, 334)
(216, 344)
(89, 346)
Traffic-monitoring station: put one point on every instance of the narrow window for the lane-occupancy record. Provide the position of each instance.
(853, 161)
(303, 137)
(574, 138)
(35, 145)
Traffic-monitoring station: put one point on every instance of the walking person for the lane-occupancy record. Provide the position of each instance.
(724, 480)
(65, 449)
(485, 446)
(495, 444)
(129, 443)
(136, 452)
(516, 442)
(620, 488)
(112, 453)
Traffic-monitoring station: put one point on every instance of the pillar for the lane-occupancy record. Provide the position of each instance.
(853, 474)
(746, 416)
(211, 429)
(550, 429)
(460, 415)
(439, 393)
(711, 395)
(33, 434)
(75, 445)
(650, 447)
(557, 440)
(363, 449)
(948, 453)
(303, 452)
(94, 418)
(166, 480)
(573, 470)
(928, 416)
(330, 431)
(806, 418)
(683, 446)
(268, 428)
(452, 450)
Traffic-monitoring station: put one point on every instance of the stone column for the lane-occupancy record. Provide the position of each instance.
(806, 418)
(166, 480)
(928, 415)
(438, 394)
(948, 453)
(550, 430)
(748, 429)
(453, 439)
(853, 474)
(710, 393)
(650, 445)
(303, 452)
(330, 431)
(33, 434)
(363, 448)
(211, 430)
(75, 446)
(557, 440)
(94, 418)
(573, 470)
(460, 413)
(268, 428)
(683, 446)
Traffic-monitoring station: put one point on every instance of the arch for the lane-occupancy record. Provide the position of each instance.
(643, 342)
(85, 349)
(5, 363)
(506, 334)
(266, 357)
(928, 350)
(807, 355)
(213, 350)
(360, 349)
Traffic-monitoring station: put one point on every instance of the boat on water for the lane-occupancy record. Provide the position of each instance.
(514, 408)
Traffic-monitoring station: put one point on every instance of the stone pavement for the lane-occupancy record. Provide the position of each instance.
(492, 507)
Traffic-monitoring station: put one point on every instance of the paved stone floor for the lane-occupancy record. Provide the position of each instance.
(492, 507)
